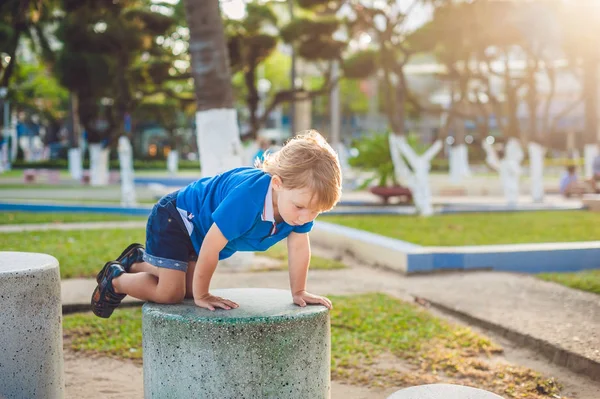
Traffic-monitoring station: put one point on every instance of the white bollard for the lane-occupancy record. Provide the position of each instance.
(31, 347)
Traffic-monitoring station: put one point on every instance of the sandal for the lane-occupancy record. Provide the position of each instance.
(128, 257)
(104, 299)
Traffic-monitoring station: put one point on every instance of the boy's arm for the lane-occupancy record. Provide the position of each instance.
(298, 262)
(213, 243)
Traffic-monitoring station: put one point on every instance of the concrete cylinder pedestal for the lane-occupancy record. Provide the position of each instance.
(267, 348)
(443, 391)
(31, 347)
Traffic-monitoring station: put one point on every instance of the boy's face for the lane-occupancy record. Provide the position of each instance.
(294, 205)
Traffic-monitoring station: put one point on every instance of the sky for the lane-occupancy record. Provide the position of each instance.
(235, 9)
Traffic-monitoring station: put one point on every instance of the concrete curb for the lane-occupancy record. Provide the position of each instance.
(70, 308)
(409, 258)
(557, 355)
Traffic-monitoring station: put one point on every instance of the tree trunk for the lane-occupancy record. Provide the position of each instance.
(535, 147)
(398, 112)
(253, 100)
(417, 176)
(128, 196)
(12, 52)
(98, 164)
(75, 154)
(459, 154)
(123, 101)
(590, 136)
(391, 90)
(218, 136)
(536, 170)
(216, 120)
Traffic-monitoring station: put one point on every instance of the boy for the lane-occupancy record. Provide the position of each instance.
(244, 209)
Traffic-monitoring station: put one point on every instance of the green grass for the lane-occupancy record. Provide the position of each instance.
(588, 280)
(59, 217)
(81, 253)
(19, 173)
(364, 330)
(279, 252)
(76, 200)
(480, 228)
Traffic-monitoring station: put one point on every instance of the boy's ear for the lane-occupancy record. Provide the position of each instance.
(277, 182)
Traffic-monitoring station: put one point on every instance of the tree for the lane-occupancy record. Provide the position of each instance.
(216, 121)
(578, 19)
(392, 45)
(109, 52)
(481, 60)
(19, 19)
(253, 39)
(35, 90)
(249, 45)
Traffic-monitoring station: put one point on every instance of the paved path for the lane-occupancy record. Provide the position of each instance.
(15, 228)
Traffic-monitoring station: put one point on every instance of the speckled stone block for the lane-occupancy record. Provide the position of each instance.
(31, 351)
(443, 391)
(267, 348)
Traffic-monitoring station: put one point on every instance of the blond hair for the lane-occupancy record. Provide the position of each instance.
(308, 161)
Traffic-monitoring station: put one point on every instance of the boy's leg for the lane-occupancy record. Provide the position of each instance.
(189, 279)
(167, 287)
(144, 267)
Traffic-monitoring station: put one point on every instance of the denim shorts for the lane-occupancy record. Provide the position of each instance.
(168, 244)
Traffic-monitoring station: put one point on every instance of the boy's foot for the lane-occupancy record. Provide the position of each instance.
(130, 255)
(104, 299)
(134, 253)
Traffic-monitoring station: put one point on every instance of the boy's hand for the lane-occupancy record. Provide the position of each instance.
(302, 298)
(211, 302)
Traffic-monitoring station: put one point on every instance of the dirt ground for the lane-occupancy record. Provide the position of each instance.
(106, 378)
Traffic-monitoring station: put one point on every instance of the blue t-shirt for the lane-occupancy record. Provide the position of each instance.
(235, 201)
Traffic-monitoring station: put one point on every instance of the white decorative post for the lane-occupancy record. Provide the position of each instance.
(173, 162)
(25, 144)
(4, 156)
(417, 180)
(536, 171)
(13, 135)
(37, 148)
(75, 164)
(127, 175)
(459, 163)
(509, 167)
(98, 165)
(590, 151)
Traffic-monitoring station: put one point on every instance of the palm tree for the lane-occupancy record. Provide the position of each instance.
(216, 120)
(24, 19)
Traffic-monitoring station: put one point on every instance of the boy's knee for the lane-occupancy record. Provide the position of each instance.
(172, 296)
